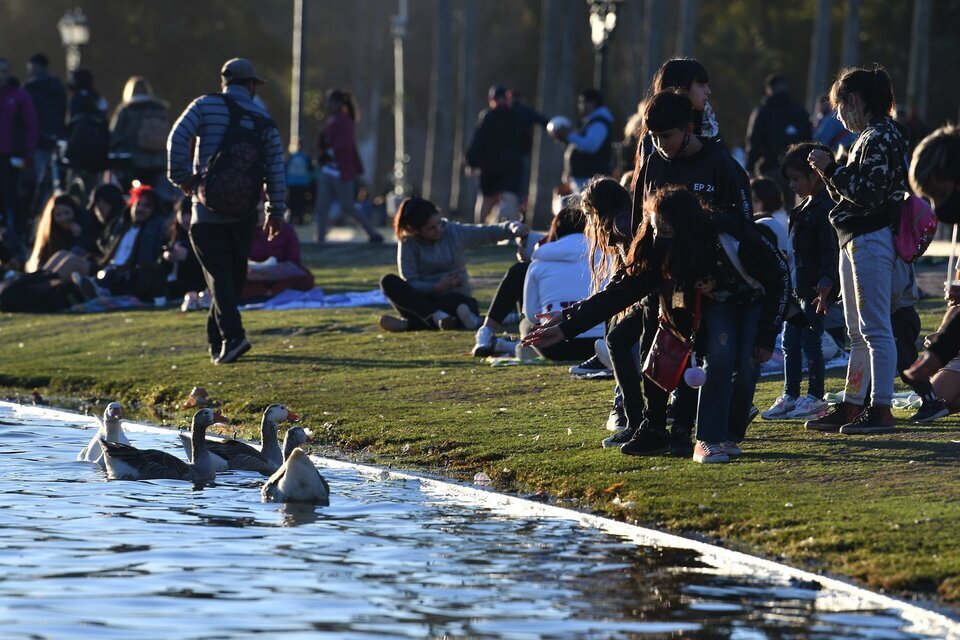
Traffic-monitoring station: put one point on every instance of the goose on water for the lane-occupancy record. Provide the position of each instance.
(129, 463)
(297, 480)
(241, 456)
(111, 430)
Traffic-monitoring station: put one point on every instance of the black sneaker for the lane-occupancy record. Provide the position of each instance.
(929, 411)
(232, 350)
(681, 443)
(616, 420)
(647, 442)
(590, 365)
(619, 438)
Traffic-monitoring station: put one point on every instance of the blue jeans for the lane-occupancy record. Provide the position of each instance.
(807, 339)
(726, 398)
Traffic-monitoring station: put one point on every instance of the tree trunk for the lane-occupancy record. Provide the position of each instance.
(819, 55)
(653, 37)
(438, 171)
(464, 187)
(686, 28)
(851, 34)
(918, 80)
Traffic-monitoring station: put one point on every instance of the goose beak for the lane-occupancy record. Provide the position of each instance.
(219, 417)
(309, 434)
(116, 413)
(292, 417)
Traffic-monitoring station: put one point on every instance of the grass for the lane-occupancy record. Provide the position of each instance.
(883, 510)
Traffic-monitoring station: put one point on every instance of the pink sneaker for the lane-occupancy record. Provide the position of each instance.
(709, 453)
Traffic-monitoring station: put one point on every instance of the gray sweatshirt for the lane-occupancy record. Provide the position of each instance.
(423, 265)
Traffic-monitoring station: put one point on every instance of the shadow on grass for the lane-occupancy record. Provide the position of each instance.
(379, 363)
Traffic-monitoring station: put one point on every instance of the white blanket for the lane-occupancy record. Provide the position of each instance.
(316, 299)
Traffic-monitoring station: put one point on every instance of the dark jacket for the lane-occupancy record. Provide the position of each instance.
(759, 257)
(816, 251)
(527, 119)
(773, 126)
(586, 163)
(50, 101)
(149, 243)
(868, 191)
(496, 149)
(711, 173)
(140, 127)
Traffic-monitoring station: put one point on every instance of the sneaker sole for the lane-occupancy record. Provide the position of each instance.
(232, 356)
(609, 444)
(482, 352)
(867, 431)
(809, 415)
(577, 371)
(939, 414)
(711, 460)
(652, 452)
(827, 428)
(773, 416)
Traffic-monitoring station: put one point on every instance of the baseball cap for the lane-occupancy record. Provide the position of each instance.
(240, 69)
(496, 92)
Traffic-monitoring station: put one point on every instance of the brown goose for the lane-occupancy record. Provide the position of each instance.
(241, 456)
(124, 462)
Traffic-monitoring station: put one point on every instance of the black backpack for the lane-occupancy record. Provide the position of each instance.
(232, 182)
(88, 145)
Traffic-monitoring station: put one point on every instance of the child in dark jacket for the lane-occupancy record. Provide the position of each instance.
(816, 254)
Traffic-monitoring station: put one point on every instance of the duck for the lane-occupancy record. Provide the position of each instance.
(240, 455)
(124, 462)
(111, 430)
(297, 479)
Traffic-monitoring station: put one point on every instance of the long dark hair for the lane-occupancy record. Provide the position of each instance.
(693, 251)
(344, 100)
(873, 85)
(109, 193)
(601, 201)
(412, 215)
(679, 74)
(568, 220)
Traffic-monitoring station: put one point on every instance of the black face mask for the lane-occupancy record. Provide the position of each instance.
(949, 211)
(683, 147)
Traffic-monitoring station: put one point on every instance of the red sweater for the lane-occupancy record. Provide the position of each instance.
(339, 136)
(285, 247)
(19, 128)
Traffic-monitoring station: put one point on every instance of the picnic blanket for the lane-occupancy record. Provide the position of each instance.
(316, 299)
(107, 303)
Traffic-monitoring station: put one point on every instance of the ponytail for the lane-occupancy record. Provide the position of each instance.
(412, 215)
(873, 85)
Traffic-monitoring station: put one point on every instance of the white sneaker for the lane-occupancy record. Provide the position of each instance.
(486, 342)
(505, 346)
(809, 408)
(603, 354)
(779, 409)
(468, 318)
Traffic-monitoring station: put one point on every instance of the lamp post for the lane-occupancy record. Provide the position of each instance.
(603, 21)
(296, 80)
(399, 31)
(74, 30)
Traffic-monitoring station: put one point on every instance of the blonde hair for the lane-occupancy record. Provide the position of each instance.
(136, 86)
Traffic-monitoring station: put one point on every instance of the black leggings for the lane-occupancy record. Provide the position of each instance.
(417, 307)
(509, 294)
(622, 342)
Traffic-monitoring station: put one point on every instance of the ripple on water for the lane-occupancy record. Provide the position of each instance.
(83, 557)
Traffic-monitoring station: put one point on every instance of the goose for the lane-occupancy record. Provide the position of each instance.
(111, 429)
(241, 456)
(297, 480)
(129, 463)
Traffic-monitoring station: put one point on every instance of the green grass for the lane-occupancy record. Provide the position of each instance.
(884, 510)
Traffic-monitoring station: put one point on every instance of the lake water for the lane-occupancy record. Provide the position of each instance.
(83, 557)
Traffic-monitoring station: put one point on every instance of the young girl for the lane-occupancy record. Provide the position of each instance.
(815, 253)
(868, 193)
(768, 212)
(58, 230)
(433, 289)
(719, 261)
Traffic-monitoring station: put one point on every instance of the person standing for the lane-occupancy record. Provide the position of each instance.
(50, 100)
(222, 243)
(140, 126)
(589, 148)
(774, 125)
(340, 165)
(496, 154)
(527, 118)
(18, 138)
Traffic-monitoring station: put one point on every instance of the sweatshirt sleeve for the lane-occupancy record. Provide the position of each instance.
(531, 294)
(864, 183)
(829, 253)
(603, 305)
(592, 138)
(409, 267)
(475, 235)
(275, 179)
(180, 143)
(733, 190)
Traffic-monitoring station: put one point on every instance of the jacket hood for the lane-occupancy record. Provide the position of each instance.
(569, 248)
(600, 113)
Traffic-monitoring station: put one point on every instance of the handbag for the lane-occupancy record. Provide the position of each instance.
(670, 353)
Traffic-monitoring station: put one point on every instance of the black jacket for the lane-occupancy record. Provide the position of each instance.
(50, 100)
(816, 251)
(760, 259)
(148, 245)
(773, 126)
(496, 150)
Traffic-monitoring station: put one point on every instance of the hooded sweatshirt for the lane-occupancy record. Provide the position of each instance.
(589, 148)
(50, 100)
(558, 276)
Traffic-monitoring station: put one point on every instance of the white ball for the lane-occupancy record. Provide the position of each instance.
(695, 377)
(558, 122)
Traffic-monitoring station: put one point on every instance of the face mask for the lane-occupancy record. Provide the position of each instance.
(709, 127)
(854, 121)
(949, 211)
(683, 147)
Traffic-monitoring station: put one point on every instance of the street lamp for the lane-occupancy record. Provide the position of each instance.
(74, 30)
(398, 29)
(603, 21)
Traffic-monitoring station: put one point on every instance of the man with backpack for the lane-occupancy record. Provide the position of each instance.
(774, 125)
(238, 151)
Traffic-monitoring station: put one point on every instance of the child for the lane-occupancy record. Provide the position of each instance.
(768, 213)
(816, 254)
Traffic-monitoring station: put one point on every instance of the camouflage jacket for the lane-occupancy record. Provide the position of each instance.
(869, 190)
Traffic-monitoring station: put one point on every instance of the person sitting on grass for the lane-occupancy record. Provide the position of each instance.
(557, 275)
(274, 263)
(816, 254)
(58, 234)
(432, 290)
(184, 274)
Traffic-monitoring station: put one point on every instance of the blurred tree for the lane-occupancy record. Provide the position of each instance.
(442, 91)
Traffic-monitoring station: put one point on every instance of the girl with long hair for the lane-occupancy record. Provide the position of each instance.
(58, 230)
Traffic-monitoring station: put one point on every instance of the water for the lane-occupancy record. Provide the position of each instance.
(82, 557)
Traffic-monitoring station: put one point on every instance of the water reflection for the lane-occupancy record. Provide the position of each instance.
(82, 557)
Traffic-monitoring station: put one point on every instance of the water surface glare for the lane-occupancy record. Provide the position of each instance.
(83, 557)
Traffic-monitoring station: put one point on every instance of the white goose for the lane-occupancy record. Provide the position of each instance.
(111, 430)
(240, 455)
(297, 480)
(129, 463)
